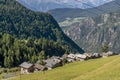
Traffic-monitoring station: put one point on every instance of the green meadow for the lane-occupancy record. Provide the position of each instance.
(95, 69)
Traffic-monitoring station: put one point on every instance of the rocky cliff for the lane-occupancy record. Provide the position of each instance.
(92, 32)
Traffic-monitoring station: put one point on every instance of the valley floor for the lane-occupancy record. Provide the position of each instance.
(96, 69)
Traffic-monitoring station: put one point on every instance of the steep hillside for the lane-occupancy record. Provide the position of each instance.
(91, 12)
(23, 23)
(92, 32)
(100, 69)
(14, 51)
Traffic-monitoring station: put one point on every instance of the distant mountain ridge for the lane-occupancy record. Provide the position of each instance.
(46, 5)
(91, 12)
(93, 31)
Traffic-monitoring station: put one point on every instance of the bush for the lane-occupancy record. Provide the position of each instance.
(64, 61)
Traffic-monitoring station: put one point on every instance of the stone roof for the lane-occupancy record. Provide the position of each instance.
(71, 56)
(26, 65)
(80, 56)
(52, 62)
(38, 66)
(65, 56)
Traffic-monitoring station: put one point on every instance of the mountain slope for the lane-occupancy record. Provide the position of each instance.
(92, 27)
(92, 32)
(23, 23)
(46, 5)
(91, 12)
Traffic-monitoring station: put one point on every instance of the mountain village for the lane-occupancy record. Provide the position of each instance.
(56, 61)
(59, 40)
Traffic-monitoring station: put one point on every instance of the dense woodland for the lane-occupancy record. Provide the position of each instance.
(29, 36)
(23, 23)
(14, 51)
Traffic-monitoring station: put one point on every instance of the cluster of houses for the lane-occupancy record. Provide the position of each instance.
(51, 63)
(56, 61)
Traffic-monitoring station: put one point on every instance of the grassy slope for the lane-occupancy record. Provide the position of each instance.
(1, 76)
(99, 69)
(70, 21)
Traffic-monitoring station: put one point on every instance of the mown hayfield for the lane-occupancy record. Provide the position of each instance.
(0, 76)
(97, 69)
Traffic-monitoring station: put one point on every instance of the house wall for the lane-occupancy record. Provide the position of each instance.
(24, 71)
(27, 71)
(49, 68)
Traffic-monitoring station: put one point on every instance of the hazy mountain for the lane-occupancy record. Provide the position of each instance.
(62, 14)
(46, 5)
(91, 32)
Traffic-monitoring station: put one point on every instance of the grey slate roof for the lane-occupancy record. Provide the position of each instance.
(38, 66)
(26, 65)
(50, 63)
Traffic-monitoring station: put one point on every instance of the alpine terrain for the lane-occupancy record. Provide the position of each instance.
(93, 31)
(46, 5)
(25, 35)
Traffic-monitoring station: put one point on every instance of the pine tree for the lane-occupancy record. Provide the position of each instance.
(105, 48)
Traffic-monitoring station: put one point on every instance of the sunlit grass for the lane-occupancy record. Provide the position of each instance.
(98, 69)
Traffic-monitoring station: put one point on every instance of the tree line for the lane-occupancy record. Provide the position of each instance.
(14, 51)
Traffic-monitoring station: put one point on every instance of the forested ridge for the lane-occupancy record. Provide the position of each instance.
(25, 34)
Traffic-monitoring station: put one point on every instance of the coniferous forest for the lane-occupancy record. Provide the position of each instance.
(14, 51)
(29, 36)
